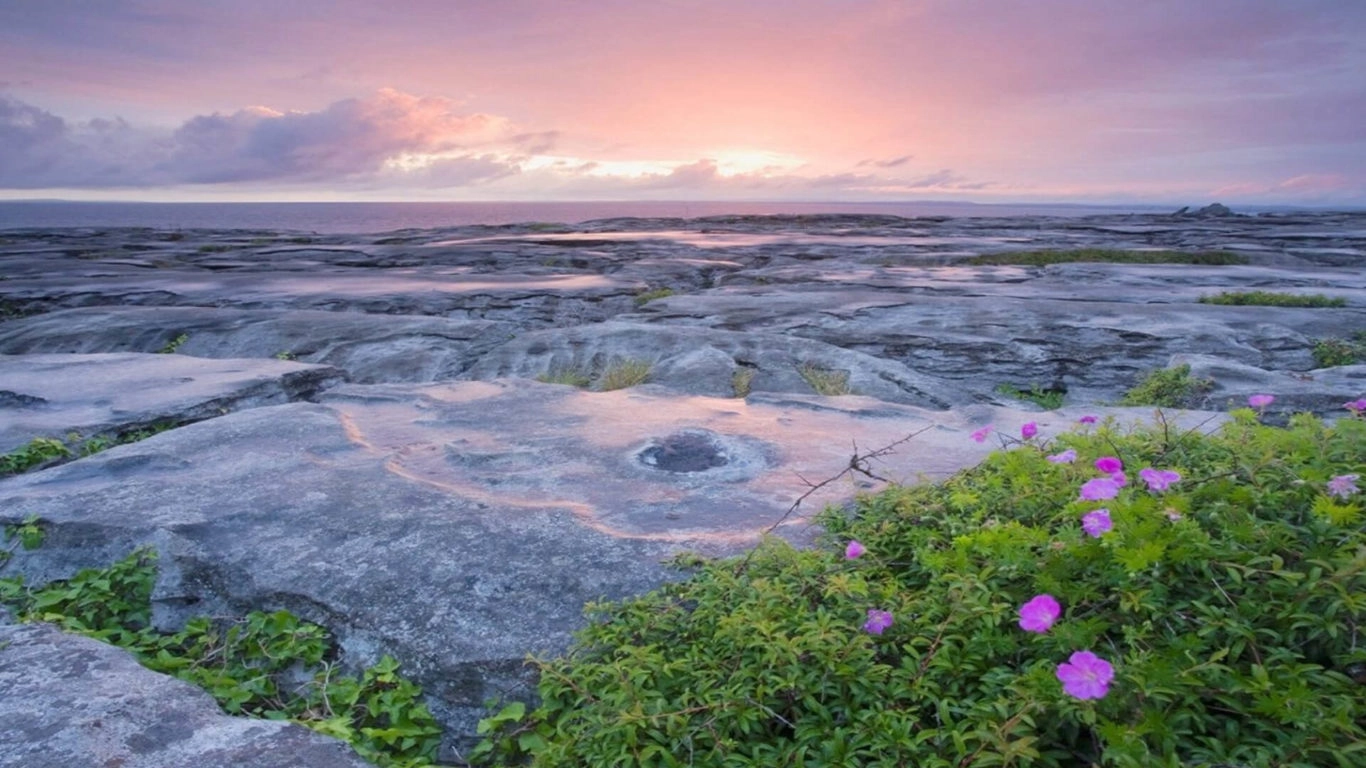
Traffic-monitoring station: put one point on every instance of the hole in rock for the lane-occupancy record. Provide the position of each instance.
(685, 452)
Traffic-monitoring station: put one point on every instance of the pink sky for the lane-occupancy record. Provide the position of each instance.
(1245, 101)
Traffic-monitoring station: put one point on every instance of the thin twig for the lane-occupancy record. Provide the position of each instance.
(858, 462)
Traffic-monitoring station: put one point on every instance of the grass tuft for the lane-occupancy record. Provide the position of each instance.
(741, 380)
(649, 296)
(1269, 299)
(624, 373)
(826, 381)
(574, 377)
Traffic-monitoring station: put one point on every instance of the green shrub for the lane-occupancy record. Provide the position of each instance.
(826, 381)
(252, 666)
(1229, 606)
(1045, 257)
(1269, 299)
(1048, 399)
(1168, 388)
(1330, 353)
(37, 452)
(41, 452)
(624, 373)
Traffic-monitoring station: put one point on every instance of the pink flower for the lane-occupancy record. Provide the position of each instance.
(1038, 614)
(1099, 489)
(981, 434)
(1120, 479)
(1109, 464)
(1343, 486)
(1087, 420)
(1356, 406)
(1158, 479)
(1096, 522)
(1029, 430)
(877, 621)
(1086, 676)
(1173, 515)
(1260, 401)
(854, 550)
(1066, 457)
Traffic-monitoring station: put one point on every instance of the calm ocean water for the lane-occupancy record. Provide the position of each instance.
(384, 217)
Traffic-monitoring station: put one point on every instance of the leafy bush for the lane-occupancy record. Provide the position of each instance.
(1269, 299)
(1227, 607)
(41, 452)
(38, 451)
(269, 665)
(1330, 353)
(1045, 257)
(1168, 388)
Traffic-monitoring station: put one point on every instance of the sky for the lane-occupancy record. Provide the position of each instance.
(1101, 101)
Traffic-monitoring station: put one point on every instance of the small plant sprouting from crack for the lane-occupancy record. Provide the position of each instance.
(1330, 353)
(174, 345)
(1047, 399)
(37, 452)
(1169, 388)
(649, 296)
(573, 377)
(1271, 299)
(825, 381)
(741, 381)
(624, 373)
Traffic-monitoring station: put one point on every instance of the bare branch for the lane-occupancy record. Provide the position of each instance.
(857, 463)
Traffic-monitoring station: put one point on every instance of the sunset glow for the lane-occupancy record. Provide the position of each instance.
(1255, 101)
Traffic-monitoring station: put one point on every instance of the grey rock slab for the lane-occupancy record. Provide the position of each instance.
(1101, 340)
(704, 361)
(69, 701)
(368, 347)
(462, 526)
(108, 394)
(1319, 391)
(428, 290)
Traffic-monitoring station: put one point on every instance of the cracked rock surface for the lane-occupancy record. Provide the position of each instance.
(365, 441)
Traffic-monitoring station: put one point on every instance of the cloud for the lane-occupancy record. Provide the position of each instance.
(892, 163)
(352, 139)
(1305, 188)
(39, 149)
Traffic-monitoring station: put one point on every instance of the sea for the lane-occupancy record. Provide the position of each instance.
(339, 218)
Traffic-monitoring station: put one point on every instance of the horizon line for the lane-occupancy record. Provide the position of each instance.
(1344, 207)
